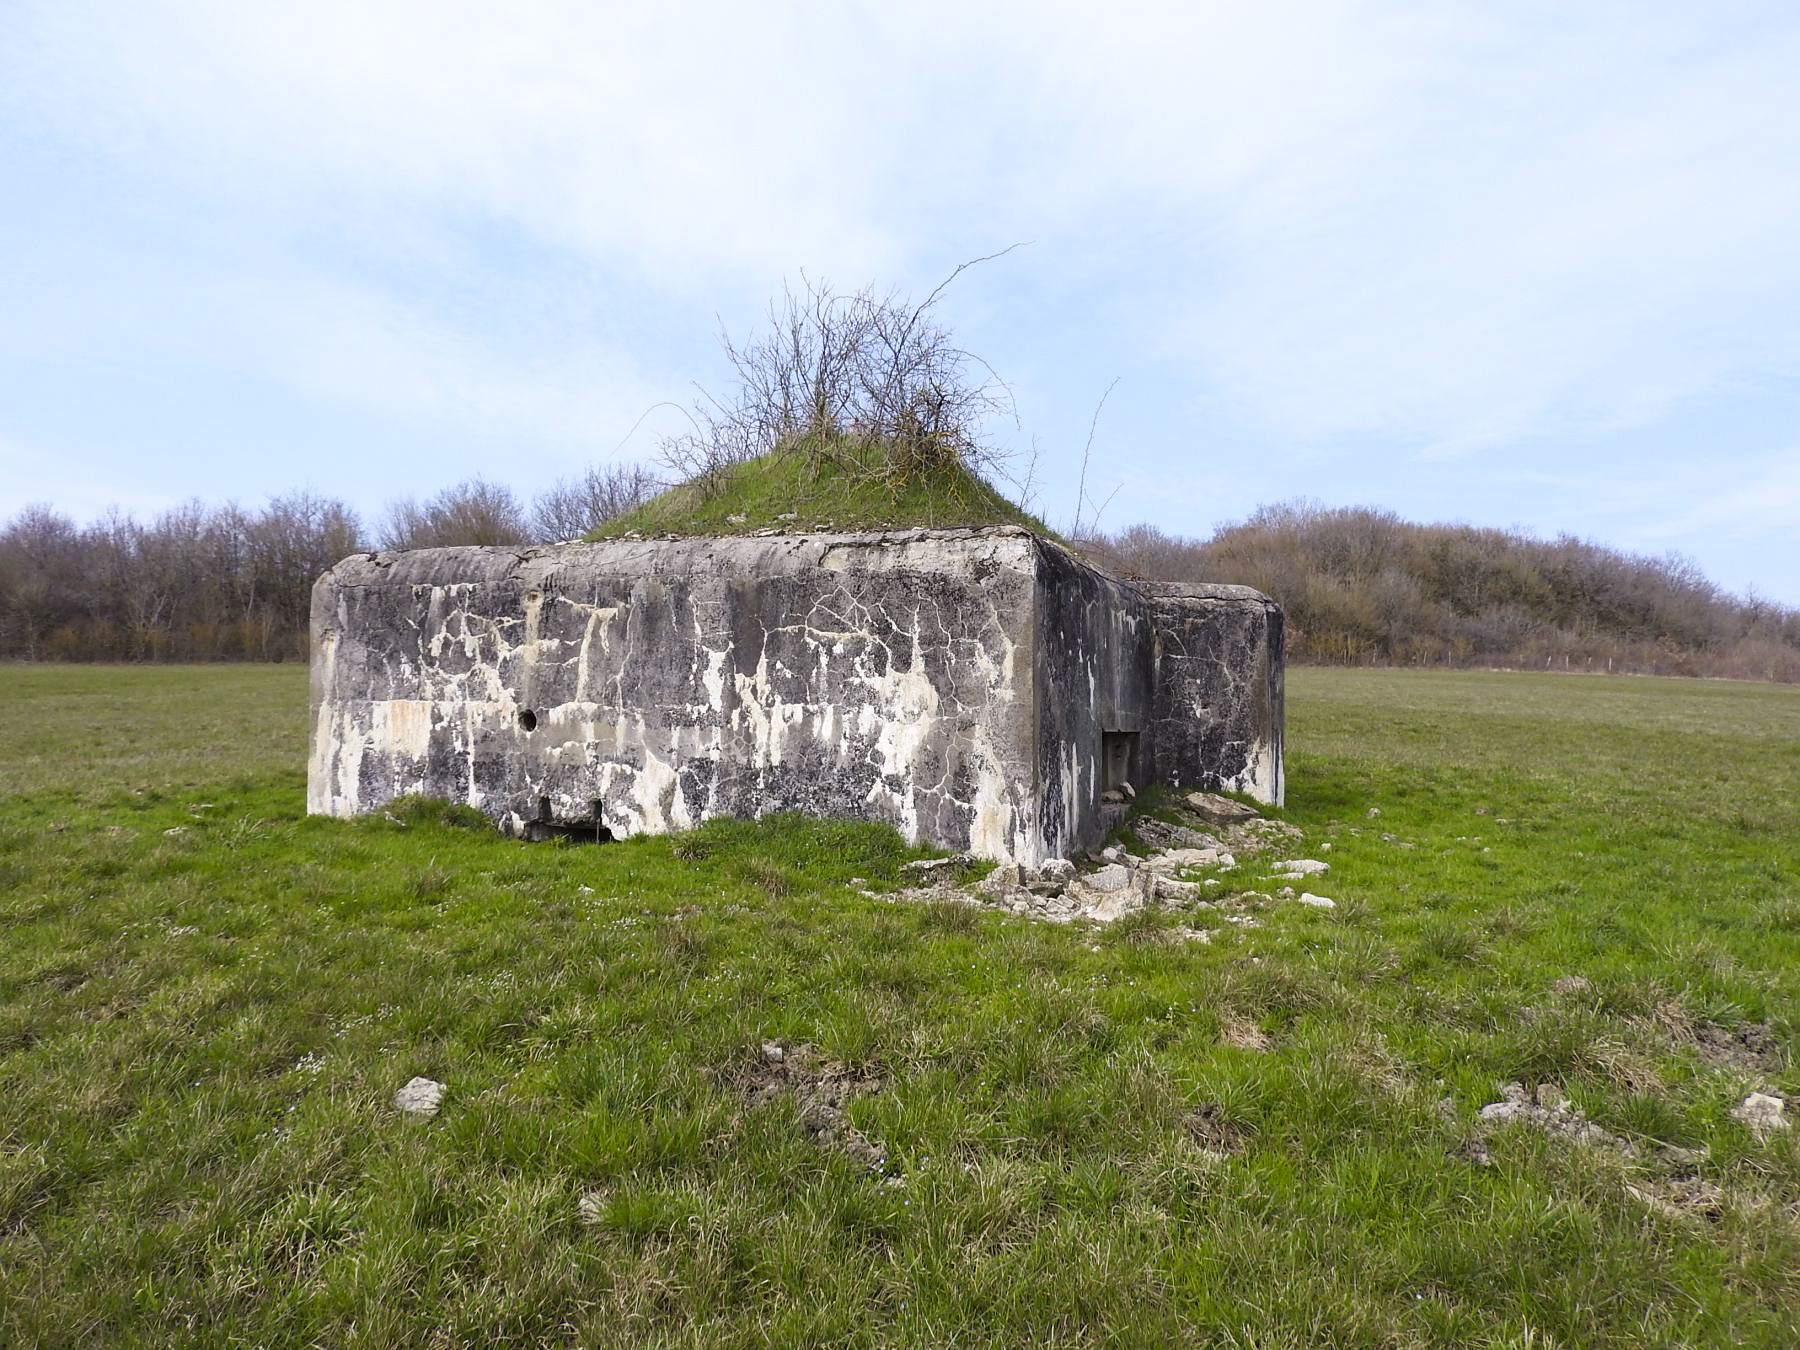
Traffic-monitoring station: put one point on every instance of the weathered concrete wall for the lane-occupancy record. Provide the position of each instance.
(962, 685)
(1219, 704)
(644, 686)
(1095, 653)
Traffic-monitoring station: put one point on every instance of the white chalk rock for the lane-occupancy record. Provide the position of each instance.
(1177, 858)
(1763, 1112)
(420, 1097)
(1316, 901)
(1112, 877)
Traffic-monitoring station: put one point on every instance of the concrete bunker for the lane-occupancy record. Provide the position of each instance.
(982, 689)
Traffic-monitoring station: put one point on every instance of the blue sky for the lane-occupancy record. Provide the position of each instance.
(1520, 265)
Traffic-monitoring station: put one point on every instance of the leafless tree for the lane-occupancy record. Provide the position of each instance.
(572, 507)
(474, 511)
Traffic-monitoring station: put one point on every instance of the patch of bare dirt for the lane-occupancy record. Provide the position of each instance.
(1208, 1126)
(1242, 1034)
(1751, 1046)
(1684, 1198)
(821, 1090)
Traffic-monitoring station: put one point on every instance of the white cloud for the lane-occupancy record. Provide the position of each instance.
(674, 139)
(1380, 224)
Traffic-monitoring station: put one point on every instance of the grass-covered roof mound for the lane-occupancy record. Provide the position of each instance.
(845, 486)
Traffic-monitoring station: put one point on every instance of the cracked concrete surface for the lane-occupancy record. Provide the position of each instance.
(954, 683)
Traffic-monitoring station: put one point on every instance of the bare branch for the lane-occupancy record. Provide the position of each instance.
(1086, 450)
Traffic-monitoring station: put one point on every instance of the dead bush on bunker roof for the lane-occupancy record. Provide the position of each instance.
(867, 383)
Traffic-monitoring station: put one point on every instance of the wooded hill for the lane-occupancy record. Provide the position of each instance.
(1361, 586)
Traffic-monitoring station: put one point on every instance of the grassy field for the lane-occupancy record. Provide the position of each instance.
(983, 1130)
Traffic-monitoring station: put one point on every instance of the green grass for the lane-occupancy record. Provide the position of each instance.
(848, 487)
(207, 1001)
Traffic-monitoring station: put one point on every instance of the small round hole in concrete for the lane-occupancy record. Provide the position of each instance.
(528, 719)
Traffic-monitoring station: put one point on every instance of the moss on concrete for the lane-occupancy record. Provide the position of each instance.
(843, 485)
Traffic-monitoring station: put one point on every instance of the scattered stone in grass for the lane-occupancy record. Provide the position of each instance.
(1763, 1112)
(1176, 859)
(1685, 1198)
(773, 1052)
(1211, 806)
(1005, 877)
(1316, 901)
(1123, 885)
(1572, 984)
(1286, 892)
(1374, 813)
(1112, 877)
(1552, 1113)
(1260, 836)
(1168, 888)
(929, 865)
(420, 1097)
(175, 831)
(1306, 867)
(591, 1208)
(1161, 834)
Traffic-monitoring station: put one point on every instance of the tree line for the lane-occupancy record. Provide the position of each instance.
(1362, 586)
(222, 583)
